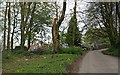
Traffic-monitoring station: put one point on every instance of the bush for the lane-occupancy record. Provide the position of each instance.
(22, 52)
(112, 51)
(72, 50)
(19, 48)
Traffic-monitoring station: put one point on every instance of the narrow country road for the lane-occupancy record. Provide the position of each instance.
(96, 62)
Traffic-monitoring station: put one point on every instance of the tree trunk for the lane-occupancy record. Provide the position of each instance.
(55, 35)
(30, 26)
(55, 28)
(4, 44)
(22, 4)
(13, 30)
(9, 23)
(27, 17)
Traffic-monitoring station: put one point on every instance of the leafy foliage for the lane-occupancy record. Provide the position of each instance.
(104, 15)
(41, 21)
(112, 51)
(72, 50)
(96, 35)
(73, 33)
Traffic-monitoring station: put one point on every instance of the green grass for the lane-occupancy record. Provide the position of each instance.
(12, 63)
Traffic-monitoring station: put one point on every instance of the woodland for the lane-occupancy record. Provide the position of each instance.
(42, 37)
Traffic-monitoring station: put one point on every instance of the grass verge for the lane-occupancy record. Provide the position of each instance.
(112, 51)
(37, 63)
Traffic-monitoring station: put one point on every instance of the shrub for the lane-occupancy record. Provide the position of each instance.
(22, 52)
(112, 51)
(72, 50)
(19, 48)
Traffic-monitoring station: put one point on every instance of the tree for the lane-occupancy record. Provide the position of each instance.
(29, 20)
(108, 19)
(103, 14)
(73, 33)
(118, 17)
(9, 28)
(41, 22)
(24, 20)
(15, 14)
(96, 35)
(55, 28)
(22, 25)
(4, 44)
(30, 26)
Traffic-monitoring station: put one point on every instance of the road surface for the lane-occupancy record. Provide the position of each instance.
(96, 62)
